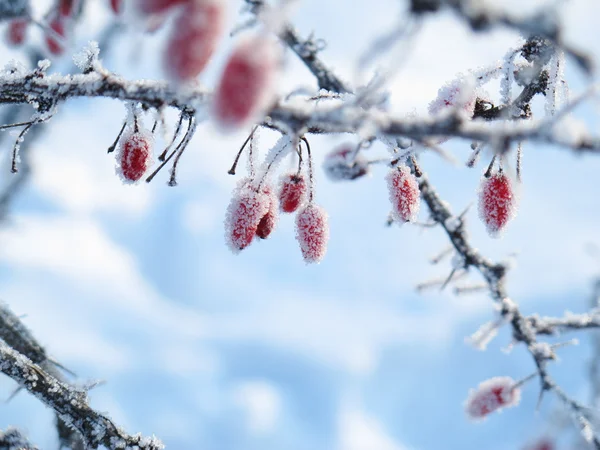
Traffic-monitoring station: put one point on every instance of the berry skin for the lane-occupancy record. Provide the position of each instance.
(194, 38)
(492, 395)
(116, 6)
(66, 8)
(269, 220)
(339, 164)
(134, 156)
(404, 194)
(56, 46)
(312, 233)
(245, 212)
(292, 192)
(16, 31)
(246, 87)
(496, 202)
(149, 7)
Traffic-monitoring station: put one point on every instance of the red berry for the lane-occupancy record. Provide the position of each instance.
(496, 202)
(269, 220)
(343, 164)
(56, 41)
(246, 87)
(492, 395)
(292, 192)
(16, 31)
(312, 233)
(67, 7)
(193, 39)
(404, 194)
(246, 210)
(134, 156)
(148, 7)
(116, 6)
(542, 444)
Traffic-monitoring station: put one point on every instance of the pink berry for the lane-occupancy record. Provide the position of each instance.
(292, 192)
(496, 202)
(54, 44)
(246, 87)
(17, 29)
(116, 6)
(66, 8)
(194, 37)
(269, 220)
(342, 163)
(404, 194)
(246, 210)
(149, 7)
(312, 233)
(492, 395)
(134, 156)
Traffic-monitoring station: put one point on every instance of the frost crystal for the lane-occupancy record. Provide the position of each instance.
(497, 202)
(87, 58)
(312, 233)
(343, 164)
(246, 210)
(492, 395)
(459, 94)
(404, 194)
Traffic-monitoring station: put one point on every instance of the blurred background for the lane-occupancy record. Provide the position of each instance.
(134, 285)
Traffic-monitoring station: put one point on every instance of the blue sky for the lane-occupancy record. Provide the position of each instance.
(206, 349)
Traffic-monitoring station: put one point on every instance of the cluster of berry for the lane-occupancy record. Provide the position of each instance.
(255, 206)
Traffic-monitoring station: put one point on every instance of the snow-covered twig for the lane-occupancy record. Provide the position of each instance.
(70, 404)
(12, 439)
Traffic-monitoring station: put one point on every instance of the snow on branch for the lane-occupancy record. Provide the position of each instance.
(24, 360)
(482, 16)
(70, 404)
(12, 439)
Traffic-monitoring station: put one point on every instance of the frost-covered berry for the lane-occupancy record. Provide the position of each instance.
(404, 194)
(148, 7)
(55, 39)
(292, 192)
(312, 233)
(456, 94)
(269, 220)
(342, 164)
(134, 156)
(17, 29)
(247, 83)
(248, 206)
(116, 6)
(497, 202)
(193, 39)
(492, 395)
(66, 8)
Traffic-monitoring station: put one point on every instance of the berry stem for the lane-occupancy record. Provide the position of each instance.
(163, 155)
(13, 167)
(310, 171)
(237, 158)
(182, 146)
(488, 172)
(416, 167)
(114, 145)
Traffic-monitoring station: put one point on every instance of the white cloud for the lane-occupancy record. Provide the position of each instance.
(359, 431)
(262, 404)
